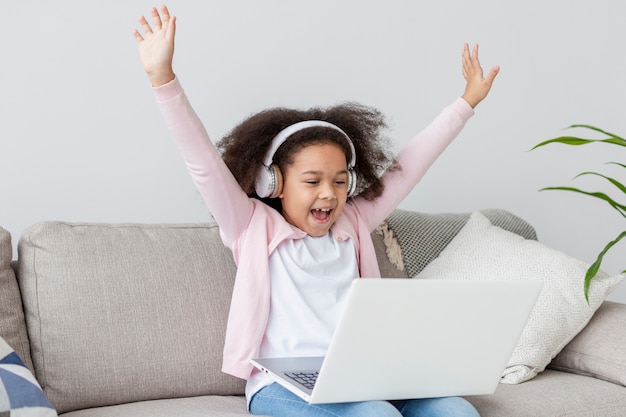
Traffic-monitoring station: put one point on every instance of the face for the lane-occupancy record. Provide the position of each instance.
(315, 188)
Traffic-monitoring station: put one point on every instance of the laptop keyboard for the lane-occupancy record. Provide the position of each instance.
(306, 378)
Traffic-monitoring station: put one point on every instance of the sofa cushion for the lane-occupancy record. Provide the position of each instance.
(127, 312)
(553, 394)
(20, 393)
(600, 349)
(214, 406)
(548, 395)
(12, 325)
(483, 251)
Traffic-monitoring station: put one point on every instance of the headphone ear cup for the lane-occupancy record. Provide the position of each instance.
(278, 181)
(351, 182)
(264, 185)
(269, 182)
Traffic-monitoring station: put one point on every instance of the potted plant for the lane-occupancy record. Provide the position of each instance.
(610, 139)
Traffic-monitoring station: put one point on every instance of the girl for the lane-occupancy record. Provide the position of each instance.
(296, 195)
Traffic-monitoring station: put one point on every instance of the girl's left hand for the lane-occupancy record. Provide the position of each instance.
(477, 86)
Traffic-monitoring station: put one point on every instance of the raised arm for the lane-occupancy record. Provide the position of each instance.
(230, 206)
(421, 152)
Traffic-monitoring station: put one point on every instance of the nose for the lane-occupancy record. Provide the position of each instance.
(327, 191)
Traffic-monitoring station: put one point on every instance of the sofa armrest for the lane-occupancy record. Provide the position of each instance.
(12, 324)
(599, 350)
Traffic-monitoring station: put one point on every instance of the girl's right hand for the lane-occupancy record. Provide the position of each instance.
(478, 85)
(156, 46)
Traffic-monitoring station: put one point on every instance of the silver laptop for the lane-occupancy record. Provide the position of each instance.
(412, 338)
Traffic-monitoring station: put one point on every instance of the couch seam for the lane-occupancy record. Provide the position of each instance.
(588, 355)
(42, 379)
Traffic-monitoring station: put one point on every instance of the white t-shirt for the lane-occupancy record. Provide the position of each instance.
(310, 278)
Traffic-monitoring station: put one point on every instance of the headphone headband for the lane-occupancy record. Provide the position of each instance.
(269, 181)
(284, 134)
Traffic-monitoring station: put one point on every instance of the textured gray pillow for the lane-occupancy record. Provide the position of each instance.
(600, 349)
(123, 313)
(423, 236)
(12, 325)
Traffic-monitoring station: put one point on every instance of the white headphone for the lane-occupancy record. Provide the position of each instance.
(269, 181)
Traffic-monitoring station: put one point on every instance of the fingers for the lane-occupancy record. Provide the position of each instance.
(465, 59)
(492, 74)
(145, 26)
(159, 21)
(162, 19)
(137, 35)
(165, 14)
(471, 62)
(156, 19)
(171, 29)
(475, 54)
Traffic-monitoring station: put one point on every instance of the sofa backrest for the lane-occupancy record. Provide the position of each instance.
(120, 313)
(12, 328)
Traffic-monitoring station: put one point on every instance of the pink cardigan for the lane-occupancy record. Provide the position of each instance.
(253, 230)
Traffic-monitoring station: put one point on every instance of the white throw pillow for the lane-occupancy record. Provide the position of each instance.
(482, 251)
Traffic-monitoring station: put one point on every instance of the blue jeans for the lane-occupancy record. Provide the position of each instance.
(274, 400)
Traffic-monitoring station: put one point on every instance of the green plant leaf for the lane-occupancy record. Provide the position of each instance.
(621, 209)
(595, 267)
(611, 138)
(577, 141)
(565, 140)
(616, 163)
(596, 129)
(613, 181)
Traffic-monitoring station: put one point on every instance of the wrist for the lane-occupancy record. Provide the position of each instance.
(472, 101)
(161, 78)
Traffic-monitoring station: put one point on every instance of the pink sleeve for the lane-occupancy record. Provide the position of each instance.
(230, 206)
(415, 159)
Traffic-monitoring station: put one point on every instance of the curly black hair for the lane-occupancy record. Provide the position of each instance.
(243, 148)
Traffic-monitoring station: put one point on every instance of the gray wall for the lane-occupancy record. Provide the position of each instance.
(82, 139)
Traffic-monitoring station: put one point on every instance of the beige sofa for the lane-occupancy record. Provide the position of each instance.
(128, 320)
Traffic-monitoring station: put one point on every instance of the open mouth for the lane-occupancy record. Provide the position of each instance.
(321, 214)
